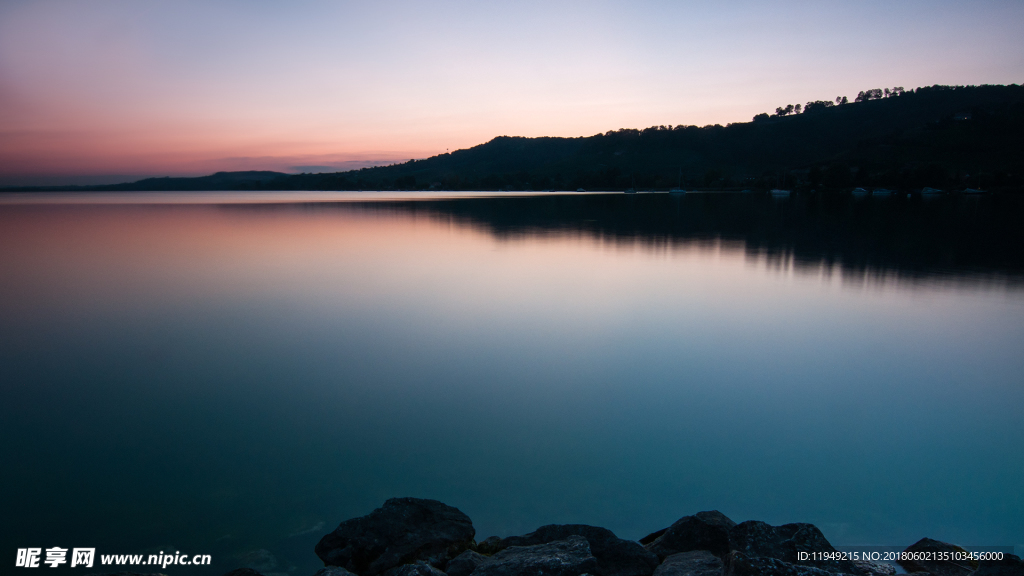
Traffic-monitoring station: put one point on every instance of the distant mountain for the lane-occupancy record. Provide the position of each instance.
(946, 137)
(217, 181)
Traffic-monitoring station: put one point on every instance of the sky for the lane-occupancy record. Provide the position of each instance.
(115, 90)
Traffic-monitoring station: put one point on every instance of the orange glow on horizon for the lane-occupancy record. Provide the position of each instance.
(191, 88)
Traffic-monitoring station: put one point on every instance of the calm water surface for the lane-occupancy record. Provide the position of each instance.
(236, 374)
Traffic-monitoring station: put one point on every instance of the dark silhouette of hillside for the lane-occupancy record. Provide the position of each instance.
(217, 181)
(945, 137)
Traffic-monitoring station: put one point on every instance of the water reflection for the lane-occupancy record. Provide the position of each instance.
(951, 239)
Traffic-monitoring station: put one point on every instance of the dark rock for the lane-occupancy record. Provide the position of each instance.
(417, 569)
(491, 545)
(402, 531)
(1010, 565)
(702, 531)
(868, 568)
(937, 567)
(333, 571)
(569, 557)
(758, 539)
(615, 556)
(739, 564)
(243, 572)
(652, 536)
(716, 518)
(693, 563)
(465, 563)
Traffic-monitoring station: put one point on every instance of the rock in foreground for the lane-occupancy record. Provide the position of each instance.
(402, 531)
(414, 537)
(333, 571)
(569, 557)
(615, 556)
(702, 531)
(868, 568)
(417, 569)
(755, 539)
(739, 564)
(693, 563)
(465, 563)
(940, 567)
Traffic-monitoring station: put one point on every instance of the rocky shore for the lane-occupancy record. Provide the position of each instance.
(415, 537)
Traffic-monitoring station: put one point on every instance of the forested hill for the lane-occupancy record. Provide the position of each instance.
(946, 137)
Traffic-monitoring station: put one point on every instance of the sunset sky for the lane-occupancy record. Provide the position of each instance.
(106, 91)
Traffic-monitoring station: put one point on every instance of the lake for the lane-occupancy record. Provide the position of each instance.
(235, 373)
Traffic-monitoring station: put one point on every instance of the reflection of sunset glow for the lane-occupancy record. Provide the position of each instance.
(320, 254)
(324, 255)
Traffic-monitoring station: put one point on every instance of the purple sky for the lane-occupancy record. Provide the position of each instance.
(114, 90)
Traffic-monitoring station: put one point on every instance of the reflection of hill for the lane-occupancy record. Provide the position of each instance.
(948, 236)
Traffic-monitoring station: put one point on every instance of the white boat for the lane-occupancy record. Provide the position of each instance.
(927, 190)
(778, 192)
(881, 192)
(860, 192)
(677, 191)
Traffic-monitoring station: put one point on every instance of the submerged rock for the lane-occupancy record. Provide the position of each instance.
(702, 531)
(465, 563)
(693, 563)
(1010, 565)
(937, 567)
(615, 556)
(569, 557)
(402, 531)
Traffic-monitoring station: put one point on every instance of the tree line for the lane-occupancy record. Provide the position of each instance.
(817, 105)
(947, 137)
